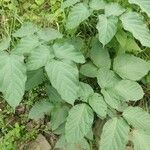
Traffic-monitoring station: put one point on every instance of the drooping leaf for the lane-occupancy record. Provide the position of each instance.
(61, 113)
(34, 78)
(64, 50)
(39, 57)
(113, 9)
(64, 78)
(141, 140)
(78, 123)
(137, 117)
(114, 135)
(107, 78)
(107, 28)
(26, 29)
(85, 90)
(98, 104)
(4, 44)
(97, 4)
(111, 98)
(68, 3)
(144, 4)
(78, 14)
(26, 45)
(49, 34)
(12, 78)
(53, 95)
(130, 67)
(133, 23)
(89, 69)
(99, 55)
(129, 90)
(39, 109)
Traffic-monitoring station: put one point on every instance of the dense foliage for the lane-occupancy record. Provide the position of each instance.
(91, 70)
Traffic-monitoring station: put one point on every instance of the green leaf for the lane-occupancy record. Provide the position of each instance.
(53, 95)
(98, 104)
(78, 14)
(26, 45)
(111, 98)
(68, 3)
(26, 29)
(5, 43)
(130, 67)
(39, 109)
(39, 57)
(34, 78)
(12, 78)
(97, 4)
(129, 90)
(99, 55)
(114, 135)
(63, 145)
(107, 28)
(65, 50)
(113, 9)
(61, 113)
(85, 90)
(78, 123)
(141, 140)
(137, 117)
(133, 23)
(64, 78)
(144, 5)
(49, 34)
(107, 78)
(89, 69)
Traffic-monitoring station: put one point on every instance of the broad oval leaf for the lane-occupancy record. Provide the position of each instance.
(99, 55)
(39, 109)
(141, 140)
(97, 4)
(65, 50)
(133, 23)
(144, 4)
(130, 67)
(12, 78)
(113, 9)
(39, 57)
(107, 78)
(89, 69)
(34, 78)
(49, 34)
(78, 123)
(26, 45)
(137, 117)
(129, 90)
(85, 90)
(64, 78)
(107, 28)
(114, 135)
(78, 14)
(98, 104)
(26, 29)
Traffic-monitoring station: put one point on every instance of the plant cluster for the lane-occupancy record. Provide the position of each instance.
(66, 63)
